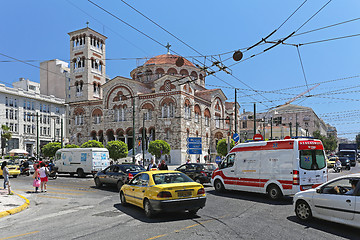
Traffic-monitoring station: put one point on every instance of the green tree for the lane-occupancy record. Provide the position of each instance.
(50, 149)
(92, 144)
(117, 149)
(330, 143)
(5, 137)
(358, 140)
(158, 148)
(71, 146)
(221, 147)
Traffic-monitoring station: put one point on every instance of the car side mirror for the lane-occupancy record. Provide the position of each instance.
(318, 190)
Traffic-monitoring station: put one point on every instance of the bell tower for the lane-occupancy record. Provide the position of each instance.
(87, 65)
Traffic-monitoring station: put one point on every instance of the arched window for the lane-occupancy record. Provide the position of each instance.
(164, 111)
(207, 117)
(184, 72)
(172, 71)
(197, 113)
(187, 109)
(193, 75)
(160, 72)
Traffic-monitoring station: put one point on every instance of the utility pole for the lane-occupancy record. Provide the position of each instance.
(229, 137)
(254, 118)
(133, 150)
(61, 133)
(37, 135)
(143, 138)
(271, 128)
(290, 124)
(235, 111)
(296, 127)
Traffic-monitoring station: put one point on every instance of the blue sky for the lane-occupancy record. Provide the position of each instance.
(37, 30)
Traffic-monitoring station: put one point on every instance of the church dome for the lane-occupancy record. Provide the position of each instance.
(167, 59)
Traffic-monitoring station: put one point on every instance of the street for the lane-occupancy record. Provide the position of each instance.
(73, 209)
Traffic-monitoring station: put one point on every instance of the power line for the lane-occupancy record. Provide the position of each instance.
(330, 39)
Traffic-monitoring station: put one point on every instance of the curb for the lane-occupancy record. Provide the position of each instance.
(17, 209)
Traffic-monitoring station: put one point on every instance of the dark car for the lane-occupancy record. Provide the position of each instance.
(117, 174)
(199, 172)
(345, 162)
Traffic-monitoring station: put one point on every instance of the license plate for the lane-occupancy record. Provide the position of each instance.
(306, 187)
(184, 194)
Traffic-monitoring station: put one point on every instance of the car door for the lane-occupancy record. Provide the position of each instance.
(228, 168)
(133, 186)
(330, 204)
(113, 174)
(141, 188)
(103, 176)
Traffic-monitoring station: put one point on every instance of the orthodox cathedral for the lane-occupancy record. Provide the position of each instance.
(165, 98)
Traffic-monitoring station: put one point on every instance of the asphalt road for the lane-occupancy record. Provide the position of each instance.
(73, 209)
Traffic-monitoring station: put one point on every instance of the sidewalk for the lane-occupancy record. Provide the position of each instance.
(11, 204)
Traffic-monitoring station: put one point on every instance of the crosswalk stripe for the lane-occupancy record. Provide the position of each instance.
(70, 189)
(43, 196)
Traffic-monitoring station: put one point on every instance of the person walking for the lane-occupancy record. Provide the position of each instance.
(43, 173)
(36, 176)
(6, 176)
(163, 166)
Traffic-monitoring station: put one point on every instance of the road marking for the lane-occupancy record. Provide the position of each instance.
(43, 196)
(153, 237)
(20, 235)
(27, 190)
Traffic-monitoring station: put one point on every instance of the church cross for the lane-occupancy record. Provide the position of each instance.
(168, 48)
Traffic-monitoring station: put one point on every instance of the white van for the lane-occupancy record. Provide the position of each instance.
(81, 161)
(278, 168)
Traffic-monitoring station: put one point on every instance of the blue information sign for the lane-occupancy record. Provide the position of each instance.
(194, 145)
(194, 151)
(236, 137)
(194, 140)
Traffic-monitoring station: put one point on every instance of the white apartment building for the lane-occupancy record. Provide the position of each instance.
(29, 114)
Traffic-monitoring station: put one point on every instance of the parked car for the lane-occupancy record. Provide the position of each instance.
(117, 174)
(345, 162)
(199, 172)
(14, 169)
(163, 190)
(336, 200)
(331, 162)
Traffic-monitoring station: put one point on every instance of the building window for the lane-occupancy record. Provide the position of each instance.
(15, 102)
(207, 120)
(7, 114)
(217, 121)
(196, 117)
(6, 101)
(32, 106)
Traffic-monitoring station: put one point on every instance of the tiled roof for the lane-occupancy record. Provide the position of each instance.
(167, 59)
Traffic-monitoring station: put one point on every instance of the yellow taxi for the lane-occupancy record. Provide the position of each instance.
(331, 162)
(163, 191)
(14, 169)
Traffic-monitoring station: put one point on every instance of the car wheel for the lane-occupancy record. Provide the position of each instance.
(98, 183)
(15, 176)
(119, 185)
(219, 187)
(303, 211)
(122, 199)
(80, 173)
(149, 212)
(274, 192)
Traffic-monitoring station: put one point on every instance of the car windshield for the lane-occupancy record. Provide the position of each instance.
(312, 159)
(209, 167)
(166, 178)
(132, 168)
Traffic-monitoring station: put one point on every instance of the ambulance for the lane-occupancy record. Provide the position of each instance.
(277, 167)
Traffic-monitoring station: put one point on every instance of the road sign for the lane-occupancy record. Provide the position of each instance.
(236, 137)
(194, 145)
(194, 140)
(258, 137)
(194, 151)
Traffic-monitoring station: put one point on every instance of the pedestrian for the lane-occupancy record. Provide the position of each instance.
(151, 165)
(6, 176)
(162, 165)
(44, 173)
(188, 161)
(36, 176)
(198, 160)
(111, 162)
